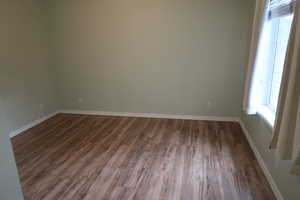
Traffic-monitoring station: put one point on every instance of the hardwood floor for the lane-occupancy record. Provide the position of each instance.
(73, 157)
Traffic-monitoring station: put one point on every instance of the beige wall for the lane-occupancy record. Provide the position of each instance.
(27, 90)
(27, 86)
(153, 56)
(9, 180)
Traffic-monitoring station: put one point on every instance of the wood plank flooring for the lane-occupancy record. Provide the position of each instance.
(72, 157)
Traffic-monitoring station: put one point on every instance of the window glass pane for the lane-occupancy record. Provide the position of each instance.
(280, 32)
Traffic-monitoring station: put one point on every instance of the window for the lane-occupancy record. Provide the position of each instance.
(272, 55)
(279, 30)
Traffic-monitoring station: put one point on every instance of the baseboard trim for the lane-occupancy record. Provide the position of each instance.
(32, 124)
(122, 114)
(262, 163)
(151, 115)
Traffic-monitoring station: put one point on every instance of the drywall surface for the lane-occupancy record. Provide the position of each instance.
(9, 181)
(27, 86)
(151, 56)
(261, 134)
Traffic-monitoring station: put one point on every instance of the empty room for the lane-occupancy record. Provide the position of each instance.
(150, 100)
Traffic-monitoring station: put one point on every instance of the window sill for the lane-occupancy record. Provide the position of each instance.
(267, 115)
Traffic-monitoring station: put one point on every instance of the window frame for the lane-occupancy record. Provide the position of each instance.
(264, 110)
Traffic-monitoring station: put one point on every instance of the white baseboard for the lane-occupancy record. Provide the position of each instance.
(32, 124)
(152, 115)
(124, 114)
(262, 163)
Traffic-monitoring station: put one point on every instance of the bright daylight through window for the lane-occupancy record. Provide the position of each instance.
(273, 52)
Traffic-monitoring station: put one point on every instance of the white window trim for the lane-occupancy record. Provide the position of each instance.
(267, 115)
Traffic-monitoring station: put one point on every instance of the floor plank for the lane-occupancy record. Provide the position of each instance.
(100, 157)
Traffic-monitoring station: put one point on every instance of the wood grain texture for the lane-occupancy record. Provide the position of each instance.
(86, 157)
